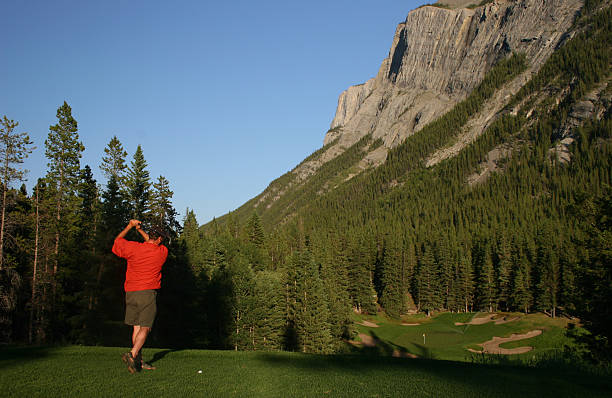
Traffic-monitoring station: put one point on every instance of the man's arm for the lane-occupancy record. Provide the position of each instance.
(131, 224)
(144, 235)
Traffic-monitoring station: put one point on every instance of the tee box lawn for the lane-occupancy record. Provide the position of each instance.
(99, 372)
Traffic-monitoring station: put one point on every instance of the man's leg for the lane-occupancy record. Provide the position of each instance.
(138, 339)
(134, 333)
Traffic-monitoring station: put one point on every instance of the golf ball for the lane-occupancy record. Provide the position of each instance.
(199, 371)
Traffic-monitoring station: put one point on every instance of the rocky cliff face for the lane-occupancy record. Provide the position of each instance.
(437, 57)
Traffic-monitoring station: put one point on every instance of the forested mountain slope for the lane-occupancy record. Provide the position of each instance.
(437, 58)
(493, 202)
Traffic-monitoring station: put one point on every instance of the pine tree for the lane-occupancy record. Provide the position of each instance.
(138, 184)
(334, 277)
(243, 306)
(445, 261)
(63, 149)
(504, 268)
(254, 230)
(549, 284)
(255, 243)
(393, 299)
(311, 309)
(429, 297)
(486, 285)
(14, 149)
(465, 282)
(522, 295)
(268, 312)
(81, 285)
(161, 212)
(192, 239)
(362, 290)
(113, 163)
(594, 274)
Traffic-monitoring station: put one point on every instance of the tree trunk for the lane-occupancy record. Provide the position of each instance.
(57, 233)
(2, 227)
(34, 272)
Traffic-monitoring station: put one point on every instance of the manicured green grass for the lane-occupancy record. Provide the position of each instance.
(445, 340)
(99, 372)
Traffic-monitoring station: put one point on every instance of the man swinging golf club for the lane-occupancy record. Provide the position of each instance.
(142, 279)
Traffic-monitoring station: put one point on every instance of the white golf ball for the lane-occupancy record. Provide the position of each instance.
(199, 371)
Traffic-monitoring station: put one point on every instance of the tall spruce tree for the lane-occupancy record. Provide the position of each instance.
(393, 298)
(161, 211)
(428, 286)
(255, 243)
(504, 269)
(63, 150)
(362, 290)
(139, 184)
(113, 162)
(14, 149)
(194, 245)
(486, 280)
(86, 265)
(465, 282)
(268, 311)
(334, 277)
(310, 306)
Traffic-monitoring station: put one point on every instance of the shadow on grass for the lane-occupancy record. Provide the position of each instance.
(489, 379)
(389, 349)
(11, 356)
(502, 376)
(161, 354)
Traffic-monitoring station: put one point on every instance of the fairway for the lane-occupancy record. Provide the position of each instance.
(449, 336)
(99, 372)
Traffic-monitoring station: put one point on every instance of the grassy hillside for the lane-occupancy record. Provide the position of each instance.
(99, 372)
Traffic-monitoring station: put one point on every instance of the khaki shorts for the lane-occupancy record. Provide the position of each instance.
(140, 307)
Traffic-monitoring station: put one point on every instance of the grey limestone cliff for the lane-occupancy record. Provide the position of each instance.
(437, 57)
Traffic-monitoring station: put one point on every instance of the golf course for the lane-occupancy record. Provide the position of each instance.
(443, 366)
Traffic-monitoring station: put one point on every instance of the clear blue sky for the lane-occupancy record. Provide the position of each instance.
(224, 97)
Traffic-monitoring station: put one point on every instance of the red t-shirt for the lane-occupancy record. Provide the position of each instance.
(144, 263)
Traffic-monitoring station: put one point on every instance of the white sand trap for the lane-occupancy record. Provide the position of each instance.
(492, 346)
(368, 324)
(477, 321)
(503, 320)
(487, 319)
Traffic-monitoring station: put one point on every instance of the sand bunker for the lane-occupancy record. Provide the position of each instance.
(492, 346)
(368, 324)
(503, 320)
(369, 341)
(487, 319)
(410, 324)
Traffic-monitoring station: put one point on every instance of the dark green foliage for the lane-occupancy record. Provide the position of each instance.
(268, 312)
(429, 292)
(161, 212)
(486, 278)
(113, 163)
(394, 288)
(139, 185)
(594, 273)
(309, 308)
